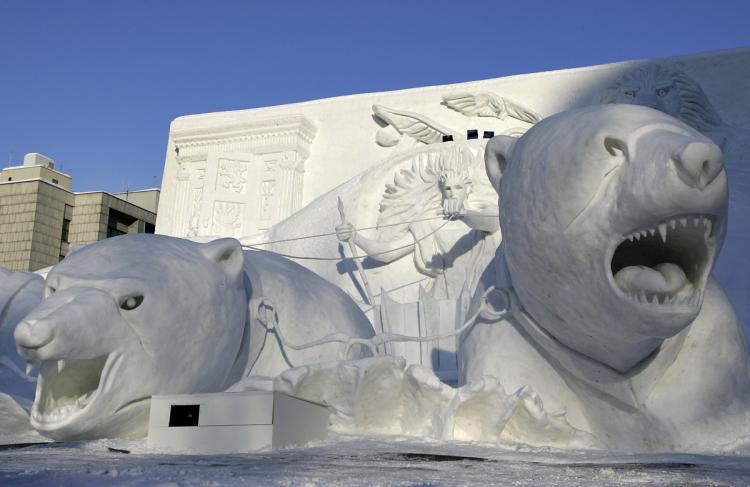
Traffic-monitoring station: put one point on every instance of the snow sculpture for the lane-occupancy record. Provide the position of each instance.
(407, 183)
(673, 92)
(402, 299)
(20, 292)
(486, 104)
(137, 315)
(237, 177)
(612, 217)
(422, 128)
(668, 90)
(382, 396)
(434, 212)
(448, 250)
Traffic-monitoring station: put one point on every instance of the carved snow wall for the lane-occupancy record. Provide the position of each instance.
(354, 133)
(237, 179)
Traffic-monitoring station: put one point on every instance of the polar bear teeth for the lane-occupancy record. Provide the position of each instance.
(666, 264)
(698, 221)
(656, 299)
(65, 387)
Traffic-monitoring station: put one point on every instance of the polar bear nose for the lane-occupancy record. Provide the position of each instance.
(31, 335)
(698, 163)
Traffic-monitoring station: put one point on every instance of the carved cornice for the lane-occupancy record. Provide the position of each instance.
(293, 132)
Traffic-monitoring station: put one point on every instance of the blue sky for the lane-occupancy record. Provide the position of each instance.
(95, 84)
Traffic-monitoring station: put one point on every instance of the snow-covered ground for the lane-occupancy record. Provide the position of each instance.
(362, 461)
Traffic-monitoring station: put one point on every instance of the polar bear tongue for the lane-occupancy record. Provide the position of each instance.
(664, 278)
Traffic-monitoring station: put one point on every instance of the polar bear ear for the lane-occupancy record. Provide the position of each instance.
(496, 158)
(616, 146)
(226, 252)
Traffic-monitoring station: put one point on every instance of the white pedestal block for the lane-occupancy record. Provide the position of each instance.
(234, 422)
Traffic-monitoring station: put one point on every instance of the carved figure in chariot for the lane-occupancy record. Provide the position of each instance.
(436, 213)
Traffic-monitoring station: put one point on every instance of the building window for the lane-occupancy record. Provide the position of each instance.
(114, 232)
(65, 237)
(55, 181)
(118, 223)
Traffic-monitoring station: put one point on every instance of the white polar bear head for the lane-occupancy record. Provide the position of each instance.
(127, 318)
(612, 217)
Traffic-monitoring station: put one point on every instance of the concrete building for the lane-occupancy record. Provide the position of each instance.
(41, 218)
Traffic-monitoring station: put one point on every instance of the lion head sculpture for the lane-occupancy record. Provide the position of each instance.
(668, 90)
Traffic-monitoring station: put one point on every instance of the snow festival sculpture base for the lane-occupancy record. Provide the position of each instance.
(234, 422)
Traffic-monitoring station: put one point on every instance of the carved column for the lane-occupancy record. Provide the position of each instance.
(181, 215)
(291, 179)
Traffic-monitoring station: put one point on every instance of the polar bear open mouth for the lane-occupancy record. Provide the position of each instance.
(66, 387)
(666, 264)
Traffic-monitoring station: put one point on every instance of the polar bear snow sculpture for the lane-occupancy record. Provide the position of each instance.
(20, 292)
(612, 217)
(138, 315)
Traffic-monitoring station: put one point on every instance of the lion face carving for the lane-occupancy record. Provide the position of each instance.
(668, 90)
(611, 230)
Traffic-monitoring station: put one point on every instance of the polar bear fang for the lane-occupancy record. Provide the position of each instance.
(666, 263)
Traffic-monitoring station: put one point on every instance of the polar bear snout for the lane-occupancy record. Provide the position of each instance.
(69, 324)
(30, 336)
(698, 163)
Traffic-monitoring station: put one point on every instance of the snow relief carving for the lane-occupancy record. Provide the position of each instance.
(485, 104)
(402, 122)
(169, 316)
(434, 212)
(227, 216)
(257, 166)
(451, 250)
(425, 243)
(189, 191)
(670, 90)
(428, 131)
(232, 176)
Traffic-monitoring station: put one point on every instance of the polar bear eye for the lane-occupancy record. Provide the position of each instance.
(49, 290)
(131, 302)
